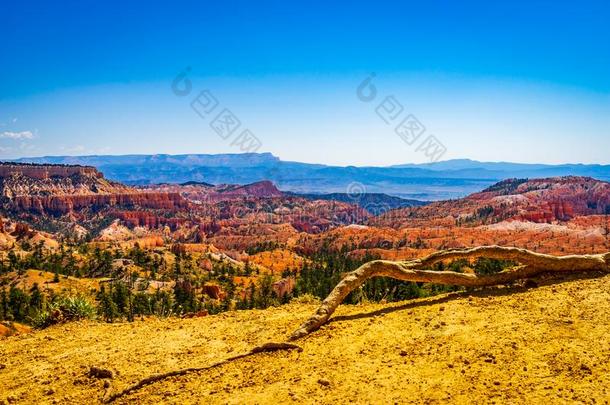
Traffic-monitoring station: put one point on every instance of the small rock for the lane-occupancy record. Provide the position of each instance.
(106, 384)
(323, 382)
(98, 372)
(403, 353)
(2, 366)
(50, 391)
(529, 283)
(585, 369)
(496, 382)
(79, 381)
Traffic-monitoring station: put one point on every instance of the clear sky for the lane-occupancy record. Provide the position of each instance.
(525, 81)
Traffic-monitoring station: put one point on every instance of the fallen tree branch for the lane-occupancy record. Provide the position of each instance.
(266, 347)
(417, 270)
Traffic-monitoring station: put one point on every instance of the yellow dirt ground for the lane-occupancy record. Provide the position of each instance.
(44, 279)
(510, 345)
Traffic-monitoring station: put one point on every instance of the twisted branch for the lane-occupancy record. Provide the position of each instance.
(415, 270)
(266, 347)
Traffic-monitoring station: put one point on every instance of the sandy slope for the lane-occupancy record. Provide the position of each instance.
(549, 344)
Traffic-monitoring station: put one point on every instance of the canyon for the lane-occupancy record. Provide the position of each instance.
(187, 255)
(241, 217)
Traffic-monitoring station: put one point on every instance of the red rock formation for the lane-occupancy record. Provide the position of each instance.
(205, 264)
(538, 200)
(22, 231)
(261, 189)
(41, 172)
(60, 190)
(148, 219)
(64, 204)
(178, 249)
(284, 286)
(213, 291)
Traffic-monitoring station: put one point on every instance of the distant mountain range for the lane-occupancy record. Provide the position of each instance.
(431, 181)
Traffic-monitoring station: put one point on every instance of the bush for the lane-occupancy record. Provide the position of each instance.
(76, 308)
(42, 320)
(485, 266)
(64, 309)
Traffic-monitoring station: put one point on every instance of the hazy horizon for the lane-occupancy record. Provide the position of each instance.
(299, 161)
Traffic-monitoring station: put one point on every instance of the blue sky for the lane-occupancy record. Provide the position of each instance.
(523, 81)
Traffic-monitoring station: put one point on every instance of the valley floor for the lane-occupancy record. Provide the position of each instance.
(547, 344)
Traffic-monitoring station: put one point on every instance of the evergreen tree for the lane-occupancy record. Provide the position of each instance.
(4, 305)
(120, 296)
(184, 296)
(36, 301)
(19, 302)
(106, 307)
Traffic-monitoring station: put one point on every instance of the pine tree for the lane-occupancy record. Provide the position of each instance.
(107, 308)
(36, 300)
(120, 296)
(4, 305)
(19, 301)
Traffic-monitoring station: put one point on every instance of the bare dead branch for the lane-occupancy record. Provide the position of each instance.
(266, 347)
(417, 270)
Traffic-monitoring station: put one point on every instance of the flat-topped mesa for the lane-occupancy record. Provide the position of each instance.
(42, 172)
(62, 189)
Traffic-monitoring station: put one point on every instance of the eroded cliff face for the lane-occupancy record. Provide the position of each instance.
(60, 190)
(65, 204)
(557, 199)
(42, 172)
(148, 219)
(49, 180)
(561, 199)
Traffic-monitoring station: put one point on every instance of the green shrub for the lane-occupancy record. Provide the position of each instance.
(485, 266)
(64, 309)
(42, 320)
(76, 308)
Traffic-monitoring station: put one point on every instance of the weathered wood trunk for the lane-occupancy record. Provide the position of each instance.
(530, 264)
